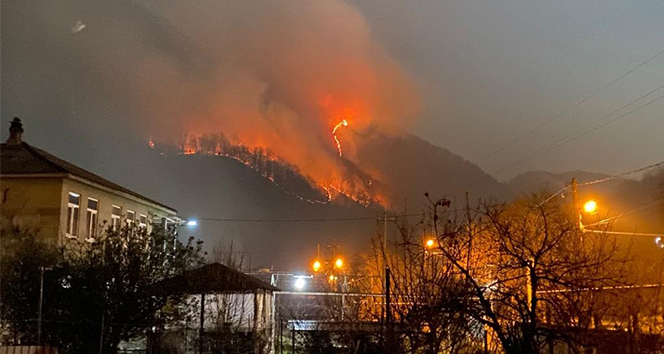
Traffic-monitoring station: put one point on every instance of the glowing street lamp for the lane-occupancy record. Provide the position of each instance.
(590, 206)
(338, 263)
(300, 283)
(192, 223)
(430, 243)
(316, 266)
(659, 242)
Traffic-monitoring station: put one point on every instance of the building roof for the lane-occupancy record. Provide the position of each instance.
(213, 278)
(25, 159)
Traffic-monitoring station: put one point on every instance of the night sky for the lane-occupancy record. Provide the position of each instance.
(492, 71)
(512, 86)
(488, 73)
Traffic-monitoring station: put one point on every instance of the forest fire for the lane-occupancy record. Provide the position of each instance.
(345, 180)
(304, 115)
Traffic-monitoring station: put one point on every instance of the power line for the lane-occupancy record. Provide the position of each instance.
(619, 117)
(567, 110)
(580, 133)
(604, 221)
(360, 218)
(572, 137)
(622, 174)
(604, 180)
(553, 195)
(374, 218)
(288, 220)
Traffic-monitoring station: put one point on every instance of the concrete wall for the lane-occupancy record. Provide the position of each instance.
(241, 312)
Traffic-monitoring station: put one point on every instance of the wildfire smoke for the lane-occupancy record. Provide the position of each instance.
(276, 75)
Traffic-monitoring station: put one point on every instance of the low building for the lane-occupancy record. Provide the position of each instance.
(227, 311)
(60, 201)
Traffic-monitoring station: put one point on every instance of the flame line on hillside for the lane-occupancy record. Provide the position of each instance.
(327, 189)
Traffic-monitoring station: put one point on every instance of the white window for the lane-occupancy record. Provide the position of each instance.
(73, 207)
(142, 220)
(116, 216)
(131, 217)
(91, 226)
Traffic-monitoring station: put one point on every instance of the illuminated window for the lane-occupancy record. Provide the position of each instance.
(93, 208)
(131, 217)
(142, 220)
(73, 207)
(116, 216)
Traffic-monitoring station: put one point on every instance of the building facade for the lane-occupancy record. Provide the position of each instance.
(59, 201)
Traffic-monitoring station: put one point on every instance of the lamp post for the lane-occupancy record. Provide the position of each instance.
(41, 302)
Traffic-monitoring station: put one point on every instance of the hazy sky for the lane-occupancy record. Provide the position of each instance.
(492, 71)
(487, 71)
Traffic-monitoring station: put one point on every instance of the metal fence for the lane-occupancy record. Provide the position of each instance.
(28, 349)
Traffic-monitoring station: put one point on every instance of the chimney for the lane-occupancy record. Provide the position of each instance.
(15, 132)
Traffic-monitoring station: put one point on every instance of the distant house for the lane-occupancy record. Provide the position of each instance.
(61, 201)
(228, 312)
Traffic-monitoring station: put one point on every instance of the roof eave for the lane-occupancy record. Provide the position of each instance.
(123, 194)
(33, 175)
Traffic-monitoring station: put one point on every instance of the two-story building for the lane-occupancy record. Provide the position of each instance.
(58, 200)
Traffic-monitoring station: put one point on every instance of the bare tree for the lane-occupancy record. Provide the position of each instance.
(521, 262)
(429, 299)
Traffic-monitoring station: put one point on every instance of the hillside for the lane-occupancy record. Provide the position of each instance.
(537, 181)
(633, 205)
(209, 187)
(409, 166)
(215, 187)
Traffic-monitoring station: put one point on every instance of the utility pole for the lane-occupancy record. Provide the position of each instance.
(575, 200)
(385, 238)
(202, 329)
(388, 312)
(101, 332)
(41, 301)
(383, 259)
(40, 306)
(293, 339)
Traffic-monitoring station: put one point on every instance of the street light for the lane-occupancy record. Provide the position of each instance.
(316, 266)
(429, 243)
(339, 263)
(192, 223)
(41, 302)
(590, 206)
(300, 283)
(659, 242)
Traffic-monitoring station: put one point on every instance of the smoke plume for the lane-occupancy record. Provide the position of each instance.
(280, 75)
(274, 74)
